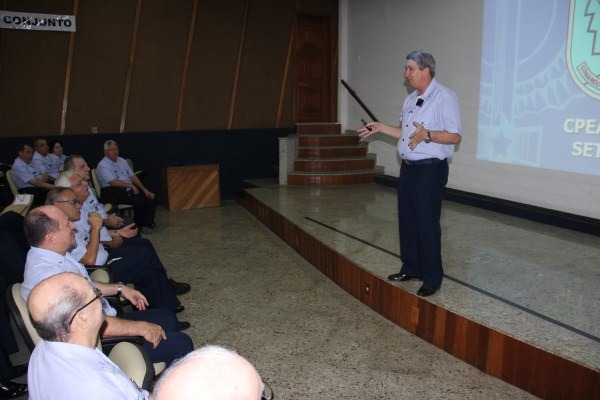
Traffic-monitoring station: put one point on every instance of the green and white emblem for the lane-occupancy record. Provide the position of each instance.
(583, 46)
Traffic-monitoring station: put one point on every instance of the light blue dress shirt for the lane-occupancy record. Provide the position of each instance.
(46, 164)
(65, 371)
(42, 264)
(23, 173)
(439, 111)
(108, 171)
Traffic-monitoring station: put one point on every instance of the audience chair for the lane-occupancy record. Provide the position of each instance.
(20, 315)
(11, 183)
(122, 209)
(130, 357)
(139, 173)
(107, 207)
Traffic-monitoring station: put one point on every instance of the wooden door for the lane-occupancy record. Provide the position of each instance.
(312, 69)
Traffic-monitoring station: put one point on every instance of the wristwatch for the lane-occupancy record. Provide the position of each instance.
(119, 288)
(428, 138)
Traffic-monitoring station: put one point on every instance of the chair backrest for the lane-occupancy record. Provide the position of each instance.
(96, 182)
(130, 163)
(11, 183)
(20, 315)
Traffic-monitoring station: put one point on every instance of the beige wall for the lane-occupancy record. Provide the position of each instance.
(109, 75)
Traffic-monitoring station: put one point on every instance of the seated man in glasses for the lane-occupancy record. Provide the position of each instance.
(138, 265)
(113, 234)
(50, 234)
(211, 373)
(66, 311)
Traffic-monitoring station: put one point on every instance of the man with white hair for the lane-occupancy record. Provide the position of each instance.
(114, 172)
(210, 373)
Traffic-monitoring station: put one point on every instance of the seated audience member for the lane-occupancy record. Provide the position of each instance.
(210, 373)
(114, 172)
(42, 160)
(13, 247)
(50, 235)
(66, 311)
(8, 345)
(114, 237)
(138, 265)
(57, 154)
(77, 164)
(28, 178)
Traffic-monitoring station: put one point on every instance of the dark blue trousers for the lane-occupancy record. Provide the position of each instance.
(177, 345)
(141, 266)
(143, 209)
(420, 191)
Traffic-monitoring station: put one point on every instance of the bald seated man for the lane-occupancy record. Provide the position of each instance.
(210, 373)
(50, 234)
(66, 364)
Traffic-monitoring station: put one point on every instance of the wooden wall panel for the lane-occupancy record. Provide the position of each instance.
(32, 76)
(104, 92)
(267, 37)
(390, 302)
(212, 64)
(158, 67)
(100, 62)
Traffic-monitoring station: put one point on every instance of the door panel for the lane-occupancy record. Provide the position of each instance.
(312, 69)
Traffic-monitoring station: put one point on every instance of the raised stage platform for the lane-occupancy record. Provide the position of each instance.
(520, 299)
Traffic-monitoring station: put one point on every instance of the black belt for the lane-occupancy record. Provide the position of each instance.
(423, 162)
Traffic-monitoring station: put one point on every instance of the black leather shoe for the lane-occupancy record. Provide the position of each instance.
(179, 309)
(20, 370)
(183, 325)
(399, 277)
(179, 287)
(425, 290)
(11, 390)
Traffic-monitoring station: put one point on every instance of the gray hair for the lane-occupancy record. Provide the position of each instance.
(109, 143)
(54, 195)
(63, 180)
(54, 325)
(423, 60)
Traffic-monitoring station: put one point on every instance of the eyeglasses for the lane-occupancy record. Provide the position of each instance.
(98, 293)
(267, 393)
(73, 202)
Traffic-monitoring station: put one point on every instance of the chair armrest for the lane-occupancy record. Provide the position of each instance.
(99, 274)
(108, 343)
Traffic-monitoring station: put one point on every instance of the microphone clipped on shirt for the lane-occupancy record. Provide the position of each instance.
(420, 102)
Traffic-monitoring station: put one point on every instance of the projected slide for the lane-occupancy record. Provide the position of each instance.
(540, 84)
